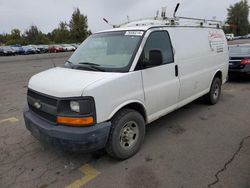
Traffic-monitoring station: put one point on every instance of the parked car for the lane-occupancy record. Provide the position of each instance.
(7, 51)
(248, 36)
(35, 48)
(75, 45)
(237, 37)
(119, 80)
(1, 51)
(29, 50)
(239, 60)
(55, 48)
(43, 48)
(68, 48)
(18, 49)
(230, 36)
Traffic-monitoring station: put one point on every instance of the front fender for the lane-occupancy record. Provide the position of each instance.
(119, 107)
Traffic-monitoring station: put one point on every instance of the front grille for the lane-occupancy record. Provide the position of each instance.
(42, 114)
(43, 98)
(46, 102)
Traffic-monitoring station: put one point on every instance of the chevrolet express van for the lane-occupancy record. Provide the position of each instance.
(122, 79)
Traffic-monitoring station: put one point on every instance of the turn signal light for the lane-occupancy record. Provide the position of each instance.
(75, 121)
(245, 62)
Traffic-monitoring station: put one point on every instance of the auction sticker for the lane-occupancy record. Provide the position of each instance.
(134, 33)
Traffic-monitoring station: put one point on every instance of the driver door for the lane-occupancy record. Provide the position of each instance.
(160, 79)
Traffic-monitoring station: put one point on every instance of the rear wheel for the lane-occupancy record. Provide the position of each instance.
(127, 134)
(215, 91)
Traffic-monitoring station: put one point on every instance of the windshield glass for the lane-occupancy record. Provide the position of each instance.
(112, 51)
(239, 50)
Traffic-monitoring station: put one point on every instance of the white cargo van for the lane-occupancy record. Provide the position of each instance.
(121, 79)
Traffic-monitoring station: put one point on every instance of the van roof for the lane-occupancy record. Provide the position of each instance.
(137, 28)
(145, 28)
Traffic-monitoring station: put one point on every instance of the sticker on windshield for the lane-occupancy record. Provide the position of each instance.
(134, 33)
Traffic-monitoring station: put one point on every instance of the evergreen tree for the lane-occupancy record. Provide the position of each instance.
(61, 34)
(34, 36)
(238, 18)
(78, 26)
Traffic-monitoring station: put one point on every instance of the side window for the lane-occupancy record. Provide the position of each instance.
(158, 40)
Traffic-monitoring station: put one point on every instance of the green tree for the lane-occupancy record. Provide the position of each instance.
(61, 34)
(238, 18)
(14, 37)
(34, 36)
(78, 26)
(3, 38)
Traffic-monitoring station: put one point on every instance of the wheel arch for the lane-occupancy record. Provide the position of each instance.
(135, 105)
(217, 74)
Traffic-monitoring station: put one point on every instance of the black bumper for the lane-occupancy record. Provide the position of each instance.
(244, 71)
(78, 139)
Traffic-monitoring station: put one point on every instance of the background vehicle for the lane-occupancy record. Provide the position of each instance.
(29, 50)
(75, 45)
(230, 36)
(35, 48)
(7, 51)
(68, 48)
(55, 48)
(18, 49)
(1, 51)
(43, 48)
(239, 60)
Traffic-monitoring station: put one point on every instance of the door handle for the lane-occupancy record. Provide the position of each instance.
(176, 71)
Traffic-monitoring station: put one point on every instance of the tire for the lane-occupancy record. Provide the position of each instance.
(126, 135)
(215, 91)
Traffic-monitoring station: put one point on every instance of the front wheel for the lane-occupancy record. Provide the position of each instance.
(215, 91)
(127, 134)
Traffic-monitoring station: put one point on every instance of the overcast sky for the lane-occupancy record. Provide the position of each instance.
(47, 14)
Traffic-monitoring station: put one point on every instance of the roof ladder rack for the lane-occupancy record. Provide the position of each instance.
(170, 21)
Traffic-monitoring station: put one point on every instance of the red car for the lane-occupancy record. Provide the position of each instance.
(55, 48)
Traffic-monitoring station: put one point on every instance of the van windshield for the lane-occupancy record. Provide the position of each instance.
(111, 51)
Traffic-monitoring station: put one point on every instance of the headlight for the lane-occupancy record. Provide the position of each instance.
(75, 106)
(77, 111)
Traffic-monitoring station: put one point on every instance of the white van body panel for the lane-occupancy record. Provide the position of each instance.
(199, 57)
(161, 88)
(199, 54)
(63, 82)
(114, 92)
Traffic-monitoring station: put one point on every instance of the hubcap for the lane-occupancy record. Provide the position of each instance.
(216, 91)
(129, 135)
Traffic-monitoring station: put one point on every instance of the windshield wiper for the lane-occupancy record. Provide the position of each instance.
(87, 63)
(69, 63)
(93, 66)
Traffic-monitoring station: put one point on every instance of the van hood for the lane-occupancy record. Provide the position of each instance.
(64, 82)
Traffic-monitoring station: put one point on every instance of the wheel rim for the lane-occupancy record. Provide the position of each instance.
(129, 135)
(216, 91)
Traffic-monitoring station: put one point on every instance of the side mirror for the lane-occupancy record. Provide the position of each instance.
(155, 58)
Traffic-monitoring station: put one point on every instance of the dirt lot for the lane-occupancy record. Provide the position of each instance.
(197, 146)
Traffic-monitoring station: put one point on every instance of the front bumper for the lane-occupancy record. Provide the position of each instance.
(79, 139)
